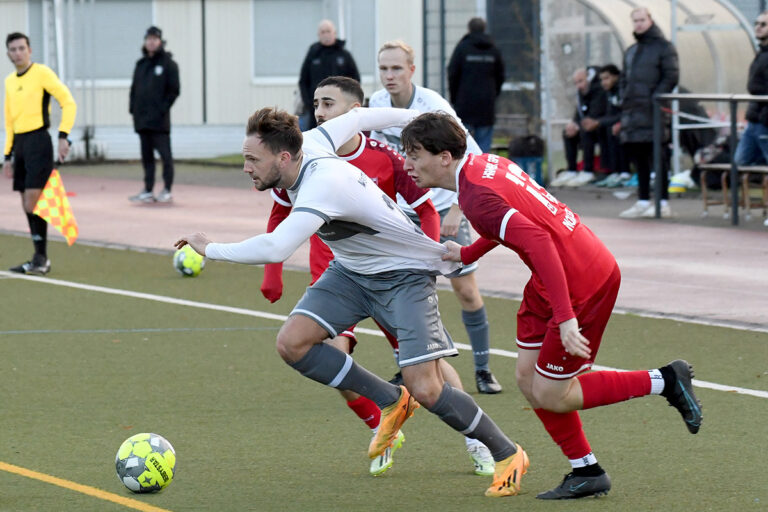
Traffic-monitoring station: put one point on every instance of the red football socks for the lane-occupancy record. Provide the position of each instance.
(366, 410)
(565, 430)
(609, 387)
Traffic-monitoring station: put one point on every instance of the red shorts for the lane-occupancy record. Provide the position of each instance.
(320, 256)
(537, 330)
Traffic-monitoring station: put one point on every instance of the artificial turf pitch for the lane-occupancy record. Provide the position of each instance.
(81, 370)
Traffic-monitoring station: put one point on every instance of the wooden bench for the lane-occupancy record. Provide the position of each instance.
(746, 201)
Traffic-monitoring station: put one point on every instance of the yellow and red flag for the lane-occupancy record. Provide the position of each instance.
(53, 206)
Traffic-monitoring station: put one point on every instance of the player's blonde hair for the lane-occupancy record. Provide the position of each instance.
(402, 45)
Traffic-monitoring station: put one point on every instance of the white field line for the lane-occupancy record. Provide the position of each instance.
(272, 316)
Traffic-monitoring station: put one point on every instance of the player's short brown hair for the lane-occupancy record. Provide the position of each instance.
(346, 85)
(436, 132)
(277, 129)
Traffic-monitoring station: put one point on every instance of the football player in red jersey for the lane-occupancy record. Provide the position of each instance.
(333, 97)
(566, 304)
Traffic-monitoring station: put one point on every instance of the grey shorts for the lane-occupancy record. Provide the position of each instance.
(404, 302)
(463, 237)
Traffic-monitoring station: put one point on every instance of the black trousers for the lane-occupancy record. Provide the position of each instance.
(160, 141)
(587, 142)
(612, 157)
(641, 155)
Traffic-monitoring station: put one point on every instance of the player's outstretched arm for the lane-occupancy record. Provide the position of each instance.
(267, 248)
(342, 128)
(197, 241)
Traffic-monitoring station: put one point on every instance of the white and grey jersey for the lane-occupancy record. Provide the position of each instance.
(364, 228)
(423, 100)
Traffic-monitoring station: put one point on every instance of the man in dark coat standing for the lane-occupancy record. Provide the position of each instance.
(327, 57)
(475, 75)
(650, 67)
(154, 88)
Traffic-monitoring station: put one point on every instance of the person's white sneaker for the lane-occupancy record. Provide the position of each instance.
(635, 211)
(562, 178)
(164, 196)
(581, 178)
(482, 459)
(650, 212)
(765, 223)
(144, 196)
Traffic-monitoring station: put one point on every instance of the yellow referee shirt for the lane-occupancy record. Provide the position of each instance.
(28, 102)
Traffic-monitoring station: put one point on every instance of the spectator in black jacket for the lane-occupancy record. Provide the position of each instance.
(612, 160)
(154, 88)
(475, 75)
(590, 103)
(650, 67)
(753, 146)
(327, 57)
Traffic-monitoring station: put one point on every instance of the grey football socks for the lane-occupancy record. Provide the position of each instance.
(330, 366)
(476, 323)
(459, 411)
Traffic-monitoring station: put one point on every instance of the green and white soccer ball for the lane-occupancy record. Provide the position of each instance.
(145, 463)
(187, 262)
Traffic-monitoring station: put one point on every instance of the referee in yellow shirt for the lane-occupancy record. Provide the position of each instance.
(28, 93)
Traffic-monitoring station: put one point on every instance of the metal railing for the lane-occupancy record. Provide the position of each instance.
(733, 101)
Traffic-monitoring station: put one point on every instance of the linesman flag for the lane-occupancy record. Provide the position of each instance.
(53, 206)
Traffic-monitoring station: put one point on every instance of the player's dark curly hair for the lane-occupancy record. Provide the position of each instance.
(346, 85)
(277, 129)
(436, 132)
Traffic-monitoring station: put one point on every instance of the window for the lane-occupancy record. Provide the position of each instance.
(283, 30)
(100, 39)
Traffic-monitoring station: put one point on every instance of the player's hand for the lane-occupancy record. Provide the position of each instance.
(454, 251)
(272, 285)
(197, 241)
(63, 149)
(574, 343)
(7, 169)
(615, 129)
(451, 222)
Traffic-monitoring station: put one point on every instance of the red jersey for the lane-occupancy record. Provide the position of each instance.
(384, 166)
(567, 261)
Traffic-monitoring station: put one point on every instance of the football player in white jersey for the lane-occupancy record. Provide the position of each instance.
(396, 67)
(384, 268)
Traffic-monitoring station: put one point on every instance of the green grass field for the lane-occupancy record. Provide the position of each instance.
(81, 370)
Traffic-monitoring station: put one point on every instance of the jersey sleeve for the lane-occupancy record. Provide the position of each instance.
(493, 218)
(340, 129)
(280, 196)
(58, 90)
(271, 247)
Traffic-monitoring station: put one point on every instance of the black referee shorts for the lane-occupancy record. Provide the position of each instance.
(32, 159)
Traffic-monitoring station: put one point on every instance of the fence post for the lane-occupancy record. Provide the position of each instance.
(657, 141)
(734, 169)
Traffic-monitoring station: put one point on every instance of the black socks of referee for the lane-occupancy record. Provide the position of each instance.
(38, 228)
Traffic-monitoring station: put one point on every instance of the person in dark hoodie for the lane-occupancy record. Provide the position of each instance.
(650, 67)
(327, 57)
(475, 75)
(154, 88)
(612, 160)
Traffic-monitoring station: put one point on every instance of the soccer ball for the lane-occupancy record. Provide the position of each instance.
(145, 463)
(187, 262)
